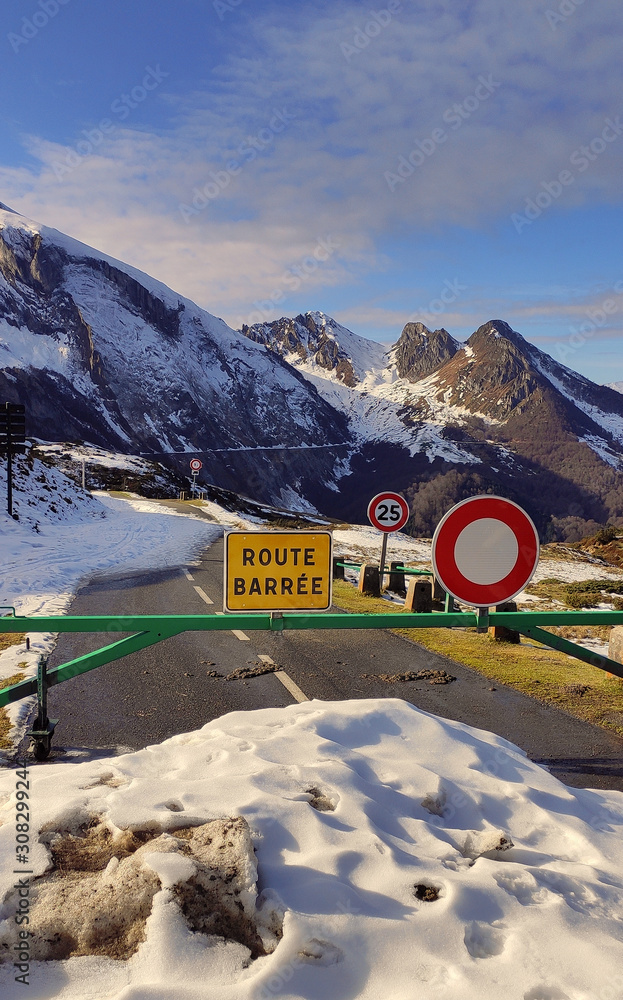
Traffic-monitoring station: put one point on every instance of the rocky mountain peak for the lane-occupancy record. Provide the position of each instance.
(496, 330)
(310, 336)
(420, 351)
(493, 373)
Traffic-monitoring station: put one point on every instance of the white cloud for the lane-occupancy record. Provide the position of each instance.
(353, 119)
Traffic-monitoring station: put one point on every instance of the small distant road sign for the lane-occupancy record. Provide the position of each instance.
(278, 571)
(388, 511)
(196, 464)
(485, 551)
(13, 428)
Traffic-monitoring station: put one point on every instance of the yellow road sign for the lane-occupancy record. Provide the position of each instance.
(278, 571)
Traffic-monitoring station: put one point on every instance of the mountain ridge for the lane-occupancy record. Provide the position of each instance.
(98, 352)
(300, 410)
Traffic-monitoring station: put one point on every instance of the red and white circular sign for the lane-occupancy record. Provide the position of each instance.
(485, 551)
(388, 512)
(196, 464)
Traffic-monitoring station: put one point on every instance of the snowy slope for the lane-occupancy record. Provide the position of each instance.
(420, 391)
(367, 387)
(571, 384)
(116, 358)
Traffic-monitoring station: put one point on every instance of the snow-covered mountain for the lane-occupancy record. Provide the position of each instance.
(300, 411)
(617, 386)
(495, 413)
(99, 351)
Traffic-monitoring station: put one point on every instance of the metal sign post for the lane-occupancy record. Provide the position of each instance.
(195, 467)
(12, 438)
(388, 512)
(383, 556)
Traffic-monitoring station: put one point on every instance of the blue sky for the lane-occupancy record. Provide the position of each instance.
(451, 162)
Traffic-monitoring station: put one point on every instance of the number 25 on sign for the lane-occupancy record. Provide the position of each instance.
(388, 512)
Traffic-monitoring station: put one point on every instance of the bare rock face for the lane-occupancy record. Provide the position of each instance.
(99, 893)
(306, 338)
(419, 352)
(494, 376)
(615, 647)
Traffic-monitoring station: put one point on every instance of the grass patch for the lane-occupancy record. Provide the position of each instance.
(578, 594)
(8, 639)
(550, 589)
(5, 722)
(540, 672)
(576, 633)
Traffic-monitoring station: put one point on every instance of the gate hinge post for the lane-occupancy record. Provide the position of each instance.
(483, 619)
(276, 621)
(43, 728)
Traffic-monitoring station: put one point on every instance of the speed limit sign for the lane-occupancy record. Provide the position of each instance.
(388, 512)
(196, 464)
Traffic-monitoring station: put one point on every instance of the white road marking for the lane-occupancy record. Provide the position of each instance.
(285, 679)
(188, 575)
(203, 595)
(236, 631)
(293, 688)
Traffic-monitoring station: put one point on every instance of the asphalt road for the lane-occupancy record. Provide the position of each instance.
(158, 692)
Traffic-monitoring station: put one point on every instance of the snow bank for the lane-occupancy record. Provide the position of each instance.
(410, 856)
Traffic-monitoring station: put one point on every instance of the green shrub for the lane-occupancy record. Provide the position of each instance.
(589, 586)
(606, 535)
(582, 599)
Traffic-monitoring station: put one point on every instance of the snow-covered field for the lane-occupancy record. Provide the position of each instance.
(444, 863)
(365, 542)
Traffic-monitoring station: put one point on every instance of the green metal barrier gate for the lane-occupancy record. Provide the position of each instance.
(147, 630)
